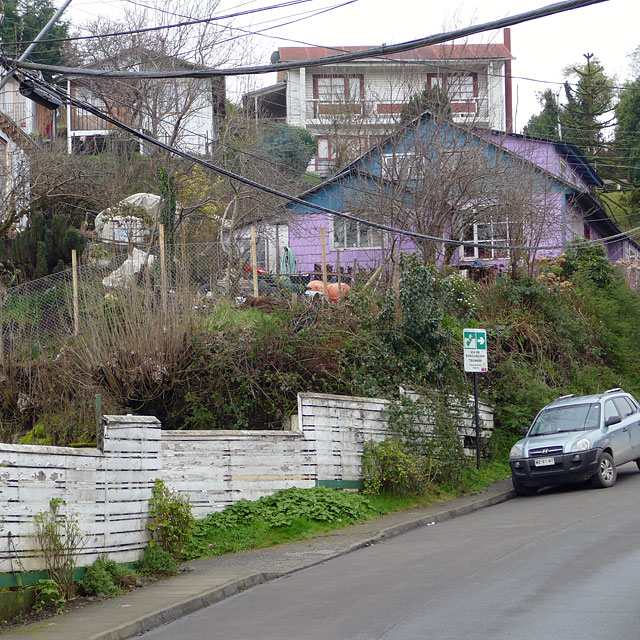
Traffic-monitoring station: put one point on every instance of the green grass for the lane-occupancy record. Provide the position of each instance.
(300, 514)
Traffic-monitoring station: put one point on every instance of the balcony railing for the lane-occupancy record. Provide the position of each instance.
(379, 110)
(19, 112)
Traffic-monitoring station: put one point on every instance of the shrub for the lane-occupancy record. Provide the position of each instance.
(107, 577)
(158, 562)
(293, 508)
(48, 596)
(459, 296)
(388, 467)
(172, 522)
(60, 539)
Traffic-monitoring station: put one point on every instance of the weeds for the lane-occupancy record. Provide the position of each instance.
(172, 522)
(59, 537)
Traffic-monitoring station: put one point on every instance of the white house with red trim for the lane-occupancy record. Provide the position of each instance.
(352, 105)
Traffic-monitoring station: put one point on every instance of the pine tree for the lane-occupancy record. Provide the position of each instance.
(588, 112)
(627, 140)
(23, 20)
(546, 123)
(433, 99)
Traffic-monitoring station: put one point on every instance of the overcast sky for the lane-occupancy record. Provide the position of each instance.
(542, 48)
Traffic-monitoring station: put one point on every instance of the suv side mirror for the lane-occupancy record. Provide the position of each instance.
(524, 431)
(612, 420)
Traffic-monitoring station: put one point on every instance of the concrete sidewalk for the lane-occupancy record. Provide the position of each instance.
(203, 582)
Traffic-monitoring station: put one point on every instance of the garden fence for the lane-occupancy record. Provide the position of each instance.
(37, 314)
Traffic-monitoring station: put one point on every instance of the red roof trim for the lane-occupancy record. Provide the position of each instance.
(433, 52)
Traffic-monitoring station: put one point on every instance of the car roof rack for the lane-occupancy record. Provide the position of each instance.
(569, 395)
(613, 390)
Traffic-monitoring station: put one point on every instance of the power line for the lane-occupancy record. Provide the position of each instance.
(384, 50)
(187, 23)
(294, 199)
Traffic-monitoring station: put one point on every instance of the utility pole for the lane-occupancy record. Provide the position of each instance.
(37, 39)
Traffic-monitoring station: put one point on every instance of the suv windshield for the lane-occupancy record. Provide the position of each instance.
(579, 417)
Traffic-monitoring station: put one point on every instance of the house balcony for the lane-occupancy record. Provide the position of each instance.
(374, 112)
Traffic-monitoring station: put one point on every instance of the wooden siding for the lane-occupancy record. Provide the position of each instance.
(108, 489)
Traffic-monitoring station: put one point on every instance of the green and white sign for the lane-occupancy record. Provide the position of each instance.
(474, 342)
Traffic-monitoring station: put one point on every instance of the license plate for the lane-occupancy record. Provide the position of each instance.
(544, 462)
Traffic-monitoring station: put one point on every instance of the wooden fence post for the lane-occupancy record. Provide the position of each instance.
(163, 269)
(254, 261)
(76, 311)
(339, 278)
(323, 245)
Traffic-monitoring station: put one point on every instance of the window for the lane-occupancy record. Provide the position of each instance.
(338, 94)
(338, 88)
(489, 234)
(563, 168)
(347, 234)
(625, 409)
(342, 149)
(462, 89)
(402, 166)
(610, 411)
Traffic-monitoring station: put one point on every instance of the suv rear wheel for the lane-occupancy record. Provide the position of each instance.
(607, 474)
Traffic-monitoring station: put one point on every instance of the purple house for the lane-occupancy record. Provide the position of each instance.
(508, 198)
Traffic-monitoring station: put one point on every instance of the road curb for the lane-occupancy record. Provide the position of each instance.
(193, 604)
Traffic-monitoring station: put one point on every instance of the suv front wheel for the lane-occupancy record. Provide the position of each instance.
(607, 474)
(523, 490)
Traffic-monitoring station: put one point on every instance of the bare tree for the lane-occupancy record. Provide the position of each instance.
(448, 182)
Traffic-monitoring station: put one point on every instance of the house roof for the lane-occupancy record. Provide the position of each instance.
(576, 158)
(579, 161)
(433, 52)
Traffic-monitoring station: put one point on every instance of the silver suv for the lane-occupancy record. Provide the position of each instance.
(577, 438)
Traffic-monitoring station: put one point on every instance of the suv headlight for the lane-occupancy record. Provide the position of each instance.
(581, 445)
(516, 452)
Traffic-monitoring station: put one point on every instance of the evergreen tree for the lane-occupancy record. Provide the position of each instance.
(588, 111)
(627, 140)
(546, 123)
(289, 145)
(433, 99)
(23, 20)
(40, 250)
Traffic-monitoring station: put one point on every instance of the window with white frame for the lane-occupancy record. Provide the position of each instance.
(338, 94)
(460, 87)
(338, 88)
(348, 234)
(402, 166)
(489, 235)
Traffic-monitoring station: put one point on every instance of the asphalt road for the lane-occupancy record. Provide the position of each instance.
(563, 564)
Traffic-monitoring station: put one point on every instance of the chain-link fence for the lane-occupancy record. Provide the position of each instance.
(36, 314)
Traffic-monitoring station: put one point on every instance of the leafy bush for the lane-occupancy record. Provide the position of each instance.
(58, 536)
(48, 596)
(428, 427)
(286, 508)
(157, 562)
(172, 522)
(588, 262)
(389, 468)
(459, 296)
(107, 577)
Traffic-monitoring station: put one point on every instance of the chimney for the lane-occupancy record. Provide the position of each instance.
(508, 90)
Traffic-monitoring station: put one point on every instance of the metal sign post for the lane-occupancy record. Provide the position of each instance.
(474, 343)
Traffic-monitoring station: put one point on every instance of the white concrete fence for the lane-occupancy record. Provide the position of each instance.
(108, 489)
